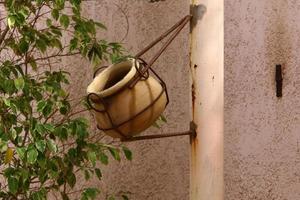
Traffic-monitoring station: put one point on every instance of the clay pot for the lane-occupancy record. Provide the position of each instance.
(127, 111)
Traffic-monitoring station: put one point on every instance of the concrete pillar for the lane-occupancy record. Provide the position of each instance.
(207, 56)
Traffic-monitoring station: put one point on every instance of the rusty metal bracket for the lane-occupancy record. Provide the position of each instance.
(143, 73)
(192, 133)
(175, 30)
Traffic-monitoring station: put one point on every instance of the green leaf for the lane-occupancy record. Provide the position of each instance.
(64, 107)
(62, 133)
(64, 20)
(98, 173)
(9, 86)
(7, 102)
(40, 195)
(84, 197)
(41, 145)
(49, 127)
(56, 31)
(61, 179)
(32, 155)
(63, 93)
(32, 63)
(89, 193)
(13, 185)
(75, 3)
(115, 153)
(40, 128)
(23, 46)
(41, 105)
(24, 12)
(9, 172)
(111, 198)
(125, 197)
(19, 83)
(71, 179)
(163, 118)
(92, 157)
(86, 175)
(100, 25)
(13, 134)
(156, 125)
(103, 158)
(9, 155)
(59, 4)
(47, 109)
(55, 14)
(63, 110)
(41, 45)
(9, 3)
(90, 26)
(73, 44)
(21, 152)
(49, 22)
(42, 161)
(52, 145)
(11, 21)
(56, 43)
(127, 153)
(24, 175)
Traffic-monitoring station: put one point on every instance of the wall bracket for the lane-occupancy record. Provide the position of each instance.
(192, 133)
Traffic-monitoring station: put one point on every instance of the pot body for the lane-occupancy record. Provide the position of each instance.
(129, 111)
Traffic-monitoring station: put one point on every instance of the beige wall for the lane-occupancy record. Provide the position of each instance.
(262, 155)
(262, 152)
(160, 168)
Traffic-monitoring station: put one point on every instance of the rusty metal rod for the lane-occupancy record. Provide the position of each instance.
(175, 30)
(149, 137)
(165, 34)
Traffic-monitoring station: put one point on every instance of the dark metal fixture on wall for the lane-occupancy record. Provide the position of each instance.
(278, 79)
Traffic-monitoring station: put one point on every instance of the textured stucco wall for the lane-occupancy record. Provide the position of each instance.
(262, 153)
(160, 168)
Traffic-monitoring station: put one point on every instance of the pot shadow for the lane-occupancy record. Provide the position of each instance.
(149, 113)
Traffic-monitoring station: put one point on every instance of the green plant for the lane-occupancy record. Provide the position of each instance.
(44, 144)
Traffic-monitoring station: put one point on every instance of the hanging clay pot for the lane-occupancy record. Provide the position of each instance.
(122, 110)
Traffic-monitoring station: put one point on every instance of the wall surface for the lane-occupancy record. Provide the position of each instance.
(160, 168)
(261, 139)
(262, 152)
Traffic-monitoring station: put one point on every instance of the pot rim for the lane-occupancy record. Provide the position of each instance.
(99, 82)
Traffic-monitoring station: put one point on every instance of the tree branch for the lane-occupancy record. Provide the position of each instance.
(2, 37)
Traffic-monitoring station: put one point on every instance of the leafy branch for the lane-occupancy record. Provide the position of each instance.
(45, 142)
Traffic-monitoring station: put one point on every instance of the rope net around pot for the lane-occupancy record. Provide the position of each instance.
(129, 96)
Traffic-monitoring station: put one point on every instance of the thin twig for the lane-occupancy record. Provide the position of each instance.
(5, 31)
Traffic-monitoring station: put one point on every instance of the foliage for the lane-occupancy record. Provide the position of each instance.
(44, 144)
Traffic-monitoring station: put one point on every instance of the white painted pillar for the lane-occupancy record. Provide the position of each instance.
(207, 65)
